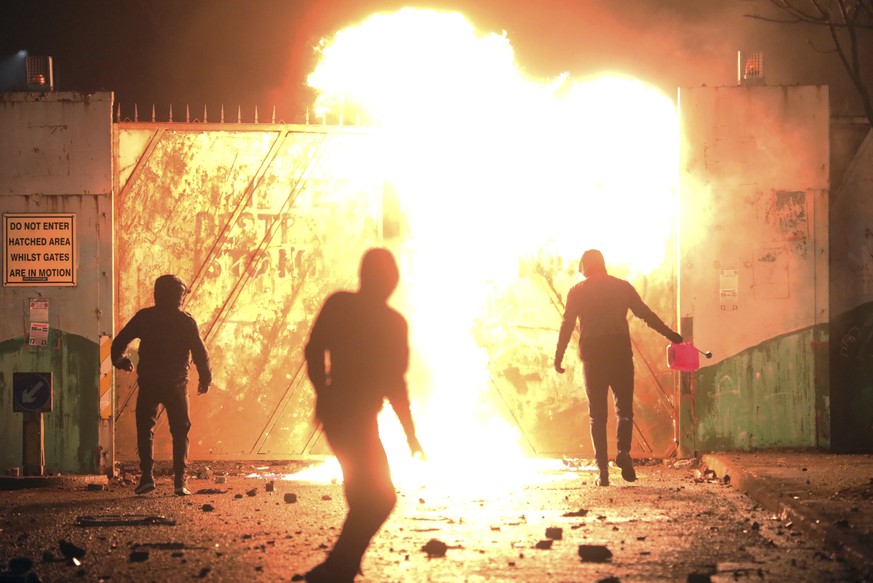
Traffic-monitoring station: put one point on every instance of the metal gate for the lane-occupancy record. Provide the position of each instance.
(262, 222)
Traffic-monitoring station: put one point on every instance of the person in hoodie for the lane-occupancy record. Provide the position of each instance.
(357, 355)
(169, 340)
(600, 304)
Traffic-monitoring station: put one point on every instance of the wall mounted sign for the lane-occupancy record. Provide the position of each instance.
(31, 392)
(39, 249)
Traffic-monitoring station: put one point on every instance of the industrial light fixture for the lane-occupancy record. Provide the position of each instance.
(40, 75)
(750, 68)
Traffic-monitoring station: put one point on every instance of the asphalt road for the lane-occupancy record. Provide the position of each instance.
(672, 524)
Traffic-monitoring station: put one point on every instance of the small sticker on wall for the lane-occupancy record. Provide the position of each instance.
(39, 310)
(728, 289)
(38, 334)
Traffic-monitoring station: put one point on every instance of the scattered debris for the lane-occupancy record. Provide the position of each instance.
(124, 520)
(220, 479)
(211, 491)
(435, 548)
(290, 498)
(208, 508)
(71, 552)
(204, 572)
(580, 512)
(610, 579)
(698, 578)
(683, 464)
(579, 463)
(595, 553)
(554, 533)
(739, 570)
(138, 556)
(252, 492)
(545, 544)
(95, 487)
(270, 486)
(327, 497)
(204, 473)
(705, 474)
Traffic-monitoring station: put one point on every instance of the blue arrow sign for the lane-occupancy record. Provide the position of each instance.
(31, 392)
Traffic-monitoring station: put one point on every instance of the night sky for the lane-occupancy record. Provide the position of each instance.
(247, 53)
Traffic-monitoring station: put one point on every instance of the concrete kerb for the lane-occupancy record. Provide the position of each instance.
(61, 481)
(767, 492)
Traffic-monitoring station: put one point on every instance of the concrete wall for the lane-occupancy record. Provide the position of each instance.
(753, 279)
(851, 276)
(56, 157)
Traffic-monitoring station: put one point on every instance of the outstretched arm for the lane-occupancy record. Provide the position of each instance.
(642, 311)
(398, 392)
(201, 360)
(568, 323)
(400, 404)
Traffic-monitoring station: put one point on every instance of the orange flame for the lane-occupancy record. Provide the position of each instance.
(492, 167)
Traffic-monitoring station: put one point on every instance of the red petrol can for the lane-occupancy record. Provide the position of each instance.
(683, 357)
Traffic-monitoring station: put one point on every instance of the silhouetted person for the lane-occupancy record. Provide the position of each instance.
(600, 304)
(169, 339)
(366, 344)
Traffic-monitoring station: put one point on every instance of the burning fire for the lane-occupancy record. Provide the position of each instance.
(493, 168)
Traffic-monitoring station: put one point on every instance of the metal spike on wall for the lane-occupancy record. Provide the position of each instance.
(118, 115)
(153, 113)
(187, 113)
(204, 114)
(171, 113)
(222, 113)
(256, 114)
(273, 120)
(239, 114)
(135, 113)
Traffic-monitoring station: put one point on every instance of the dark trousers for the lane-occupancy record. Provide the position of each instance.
(367, 485)
(600, 375)
(175, 402)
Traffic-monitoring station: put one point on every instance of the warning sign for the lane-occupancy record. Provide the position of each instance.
(39, 249)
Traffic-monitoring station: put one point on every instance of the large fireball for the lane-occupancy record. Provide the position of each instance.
(493, 168)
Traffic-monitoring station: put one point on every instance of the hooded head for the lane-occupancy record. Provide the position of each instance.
(592, 263)
(169, 291)
(379, 274)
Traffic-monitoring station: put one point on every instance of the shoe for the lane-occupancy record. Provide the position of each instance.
(624, 461)
(146, 485)
(603, 478)
(182, 491)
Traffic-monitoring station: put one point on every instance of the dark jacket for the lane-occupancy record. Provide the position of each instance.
(368, 348)
(600, 304)
(169, 339)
